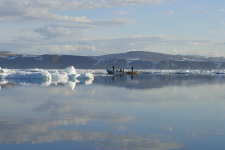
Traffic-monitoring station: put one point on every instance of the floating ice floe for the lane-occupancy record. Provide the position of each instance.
(86, 76)
(46, 77)
(24, 74)
(68, 73)
(73, 75)
(30, 75)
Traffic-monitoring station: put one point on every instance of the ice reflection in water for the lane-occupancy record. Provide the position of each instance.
(120, 112)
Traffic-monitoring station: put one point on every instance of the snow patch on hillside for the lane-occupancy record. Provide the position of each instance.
(155, 63)
(128, 62)
(218, 64)
(172, 64)
(99, 60)
(13, 57)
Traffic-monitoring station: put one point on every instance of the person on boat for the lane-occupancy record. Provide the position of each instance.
(120, 70)
(113, 68)
(132, 68)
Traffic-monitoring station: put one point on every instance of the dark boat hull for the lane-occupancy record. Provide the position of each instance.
(121, 72)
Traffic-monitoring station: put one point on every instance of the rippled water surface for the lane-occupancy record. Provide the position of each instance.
(147, 111)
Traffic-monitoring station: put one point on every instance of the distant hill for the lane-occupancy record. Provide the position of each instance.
(137, 59)
(152, 56)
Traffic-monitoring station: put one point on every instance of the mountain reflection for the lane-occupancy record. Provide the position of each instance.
(150, 81)
(140, 81)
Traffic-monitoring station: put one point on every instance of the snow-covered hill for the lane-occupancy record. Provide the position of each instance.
(152, 56)
(137, 59)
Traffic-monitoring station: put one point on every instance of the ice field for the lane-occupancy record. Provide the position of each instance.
(72, 73)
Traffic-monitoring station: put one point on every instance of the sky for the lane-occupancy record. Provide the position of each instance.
(99, 27)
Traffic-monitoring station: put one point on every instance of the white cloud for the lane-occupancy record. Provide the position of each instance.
(72, 28)
(84, 45)
(170, 12)
(221, 10)
(217, 53)
(114, 22)
(120, 12)
(52, 32)
(32, 10)
(175, 51)
(11, 10)
(107, 4)
(60, 48)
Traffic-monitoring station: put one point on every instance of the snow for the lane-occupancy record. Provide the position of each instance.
(128, 62)
(172, 64)
(99, 60)
(14, 57)
(38, 58)
(155, 64)
(218, 64)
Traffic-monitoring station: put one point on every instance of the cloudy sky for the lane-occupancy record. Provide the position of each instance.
(96, 27)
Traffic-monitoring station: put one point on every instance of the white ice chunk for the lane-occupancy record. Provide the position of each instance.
(3, 81)
(34, 70)
(3, 75)
(73, 76)
(86, 76)
(59, 75)
(70, 70)
(28, 75)
(4, 70)
(218, 64)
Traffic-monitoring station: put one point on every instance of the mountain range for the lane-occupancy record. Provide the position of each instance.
(137, 59)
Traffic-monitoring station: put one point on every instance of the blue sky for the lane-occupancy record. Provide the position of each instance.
(97, 27)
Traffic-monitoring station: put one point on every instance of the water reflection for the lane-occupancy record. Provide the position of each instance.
(71, 83)
(140, 112)
(143, 81)
(36, 132)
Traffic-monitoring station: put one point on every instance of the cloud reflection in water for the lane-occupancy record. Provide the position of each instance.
(160, 113)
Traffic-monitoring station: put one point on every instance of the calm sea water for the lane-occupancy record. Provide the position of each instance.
(152, 112)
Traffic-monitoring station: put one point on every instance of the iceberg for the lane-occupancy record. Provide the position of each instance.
(73, 76)
(46, 77)
(86, 76)
(59, 75)
(70, 70)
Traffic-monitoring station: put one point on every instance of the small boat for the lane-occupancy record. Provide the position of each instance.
(132, 72)
(121, 72)
(116, 72)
